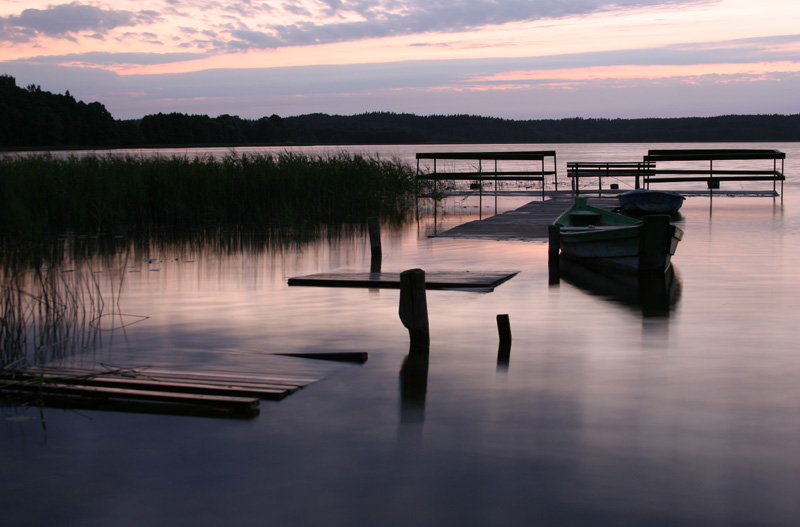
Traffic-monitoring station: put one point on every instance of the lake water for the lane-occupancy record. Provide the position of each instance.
(606, 413)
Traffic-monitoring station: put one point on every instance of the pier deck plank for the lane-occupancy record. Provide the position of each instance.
(465, 280)
(149, 390)
(529, 222)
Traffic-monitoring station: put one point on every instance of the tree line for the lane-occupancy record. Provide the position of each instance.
(34, 118)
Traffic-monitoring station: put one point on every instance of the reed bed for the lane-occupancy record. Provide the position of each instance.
(44, 195)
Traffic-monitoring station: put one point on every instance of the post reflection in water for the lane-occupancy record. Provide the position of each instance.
(413, 391)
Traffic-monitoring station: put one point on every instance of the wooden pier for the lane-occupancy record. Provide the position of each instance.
(149, 390)
(529, 222)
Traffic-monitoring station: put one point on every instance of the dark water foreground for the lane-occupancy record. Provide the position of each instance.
(606, 413)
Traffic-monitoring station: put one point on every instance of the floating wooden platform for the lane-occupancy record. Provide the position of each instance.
(148, 391)
(483, 281)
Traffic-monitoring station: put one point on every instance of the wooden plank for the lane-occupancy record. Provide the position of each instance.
(287, 380)
(527, 155)
(147, 390)
(683, 179)
(156, 385)
(529, 222)
(607, 164)
(488, 176)
(243, 403)
(343, 356)
(713, 154)
(772, 174)
(63, 401)
(272, 380)
(472, 280)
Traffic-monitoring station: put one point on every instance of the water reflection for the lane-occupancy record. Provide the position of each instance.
(60, 297)
(655, 295)
(413, 392)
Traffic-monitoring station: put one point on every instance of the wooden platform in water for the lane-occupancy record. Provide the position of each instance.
(148, 390)
(484, 281)
(529, 222)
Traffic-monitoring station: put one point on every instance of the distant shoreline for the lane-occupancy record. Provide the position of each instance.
(35, 119)
(99, 149)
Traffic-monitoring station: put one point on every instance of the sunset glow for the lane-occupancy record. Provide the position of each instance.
(174, 54)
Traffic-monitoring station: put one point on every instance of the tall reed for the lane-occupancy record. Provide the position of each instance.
(43, 195)
(47, 314)
(53, 296)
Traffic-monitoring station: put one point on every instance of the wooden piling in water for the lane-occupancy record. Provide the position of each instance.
(374, 228)
(654, 243)
(554, 241)
(413, 308)
(504, 348)
(504, 330)
(553, 251)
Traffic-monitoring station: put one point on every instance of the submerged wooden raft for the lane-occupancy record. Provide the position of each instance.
(148, 391)
(465, 280)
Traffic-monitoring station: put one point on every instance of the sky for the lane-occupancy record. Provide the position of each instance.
(514, 59)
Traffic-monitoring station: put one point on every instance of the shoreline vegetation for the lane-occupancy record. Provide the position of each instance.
(63, 220)
(46, 196)
(35, 119)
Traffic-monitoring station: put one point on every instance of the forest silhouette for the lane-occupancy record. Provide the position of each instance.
(31, 117)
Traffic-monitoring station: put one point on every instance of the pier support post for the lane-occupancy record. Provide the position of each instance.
(553, 249)
(654, 243)
(413, 309)
(374, 227)
(504, 331)
(553, 240)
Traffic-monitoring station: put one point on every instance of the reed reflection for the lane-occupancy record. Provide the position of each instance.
(56, 296)
(60, 295)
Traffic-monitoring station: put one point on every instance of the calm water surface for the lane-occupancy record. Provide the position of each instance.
(606, 414)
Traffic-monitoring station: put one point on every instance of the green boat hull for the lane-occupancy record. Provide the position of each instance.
(599, 237)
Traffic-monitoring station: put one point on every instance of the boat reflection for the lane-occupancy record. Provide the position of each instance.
(655, 294)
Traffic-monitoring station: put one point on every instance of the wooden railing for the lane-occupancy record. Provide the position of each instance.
(482, 167)
(695, 169)
(711, 166)
(637, 170)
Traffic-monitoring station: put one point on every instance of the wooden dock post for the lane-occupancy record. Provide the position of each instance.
(413, 308)
(654, 243)
(553, 250)
(553, 240)
(504, 349)
(375, 244)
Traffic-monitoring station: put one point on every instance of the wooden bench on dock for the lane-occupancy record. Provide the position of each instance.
(613, 170)
(698, 165)
(491, 167)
